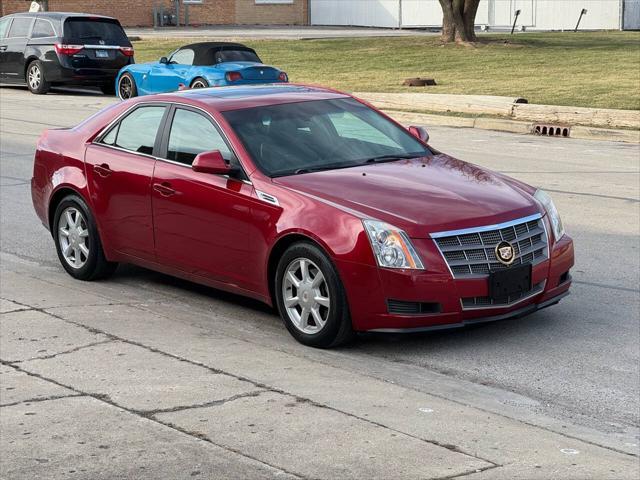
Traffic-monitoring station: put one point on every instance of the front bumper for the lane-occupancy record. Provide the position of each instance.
(370, 288)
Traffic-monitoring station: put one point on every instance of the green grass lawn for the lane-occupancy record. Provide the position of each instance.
(589, 69)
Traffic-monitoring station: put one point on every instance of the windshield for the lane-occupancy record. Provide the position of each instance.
(78, 30)
(319, 135)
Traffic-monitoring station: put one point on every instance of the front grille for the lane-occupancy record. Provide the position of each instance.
(472, 252)
(485, 302)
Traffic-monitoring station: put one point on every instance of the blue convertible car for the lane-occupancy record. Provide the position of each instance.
(199, 65)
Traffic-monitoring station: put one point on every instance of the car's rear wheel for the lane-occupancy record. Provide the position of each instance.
(35, 78)
(310, 297)
(77, 241)
(199, 83)
(127, 87)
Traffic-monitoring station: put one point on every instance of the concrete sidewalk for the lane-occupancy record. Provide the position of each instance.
(281, 32)
(103, 382)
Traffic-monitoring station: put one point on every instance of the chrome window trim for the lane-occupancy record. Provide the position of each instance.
(104, 47)
(506, 305)
(486, 228)
(152, 103)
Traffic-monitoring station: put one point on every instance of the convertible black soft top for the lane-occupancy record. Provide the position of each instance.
(210, 53)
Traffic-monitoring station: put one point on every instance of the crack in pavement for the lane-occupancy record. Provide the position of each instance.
(106, 399)
(597, 195)
(212, 403)
(65, 352)
(611, 287)
(40, 399)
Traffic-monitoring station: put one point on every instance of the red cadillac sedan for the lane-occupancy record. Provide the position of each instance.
(306, 199)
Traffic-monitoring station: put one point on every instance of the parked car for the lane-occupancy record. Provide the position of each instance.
(45, 49)
(305, 199)
(199, 65)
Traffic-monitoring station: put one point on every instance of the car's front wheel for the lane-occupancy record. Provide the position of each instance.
(127, 87)
(310, 297)
(77, 241)
(35, 78)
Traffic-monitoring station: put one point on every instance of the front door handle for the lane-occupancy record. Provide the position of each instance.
(164, 189)
(102, 170)
(3, 48)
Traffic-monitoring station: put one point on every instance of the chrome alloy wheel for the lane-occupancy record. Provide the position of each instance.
(34, 76)
(198, 84)
(125, 88)
(73, 235)
(306, 296)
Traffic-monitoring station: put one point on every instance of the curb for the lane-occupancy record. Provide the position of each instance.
(512, 126)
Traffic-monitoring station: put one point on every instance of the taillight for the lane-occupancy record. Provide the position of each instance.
(128, 51)
(283, 77)
(233, 76)
(64, 49)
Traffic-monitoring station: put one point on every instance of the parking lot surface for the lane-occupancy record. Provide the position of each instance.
(147, 376)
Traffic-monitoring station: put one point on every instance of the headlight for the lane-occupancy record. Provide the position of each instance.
(391, 246)
(554, 217)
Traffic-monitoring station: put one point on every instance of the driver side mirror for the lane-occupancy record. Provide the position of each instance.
(212, 162)
(164, 60)
(420, 133)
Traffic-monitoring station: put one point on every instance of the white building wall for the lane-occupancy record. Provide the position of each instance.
(555, 15)
(366, 13)
(535, 14)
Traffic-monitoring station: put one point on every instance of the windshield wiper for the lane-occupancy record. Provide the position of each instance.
(331, 166)
(391, 158)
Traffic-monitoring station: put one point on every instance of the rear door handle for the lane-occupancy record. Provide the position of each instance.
(102, 170)
(164, 189)
(3, 48)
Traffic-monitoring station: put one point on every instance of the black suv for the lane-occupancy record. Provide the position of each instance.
(44, 49)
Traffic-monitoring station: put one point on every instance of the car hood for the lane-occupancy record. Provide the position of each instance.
(421, 196)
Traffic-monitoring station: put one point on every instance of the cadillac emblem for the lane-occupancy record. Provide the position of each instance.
(505, 253)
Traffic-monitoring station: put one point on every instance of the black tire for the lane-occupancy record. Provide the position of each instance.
(337, 329)
(199, 82)
(108, 89)
(127, 87)
(34, 76)
(96, 265)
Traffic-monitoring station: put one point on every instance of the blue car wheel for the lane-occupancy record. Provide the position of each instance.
(199, 83)
(127, 87)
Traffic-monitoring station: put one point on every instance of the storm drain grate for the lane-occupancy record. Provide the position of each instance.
(548, 130)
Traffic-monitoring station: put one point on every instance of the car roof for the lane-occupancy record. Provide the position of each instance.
(58, 15)
(247, 96)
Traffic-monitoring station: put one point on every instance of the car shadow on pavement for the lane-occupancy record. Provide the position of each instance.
(78, 92)
(475, 336)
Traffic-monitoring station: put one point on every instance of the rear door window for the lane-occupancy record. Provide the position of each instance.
(4, 26)
(43, 29)
(20, 27)
(137, 131)
(90, 31)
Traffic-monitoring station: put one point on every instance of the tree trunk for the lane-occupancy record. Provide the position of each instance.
(458, 20)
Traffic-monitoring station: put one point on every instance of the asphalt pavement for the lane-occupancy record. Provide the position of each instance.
(160, 370)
